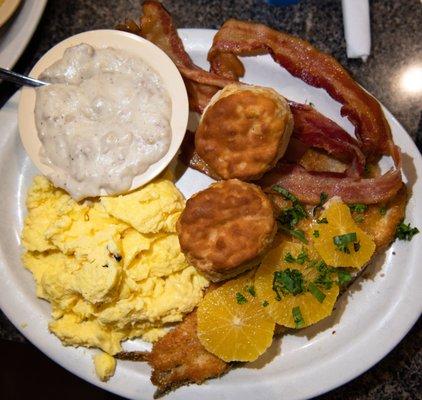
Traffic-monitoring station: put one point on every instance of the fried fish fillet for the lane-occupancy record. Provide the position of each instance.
(179, 358)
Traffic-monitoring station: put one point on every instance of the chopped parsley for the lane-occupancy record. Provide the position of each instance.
(299, 234)
(344, 277)
(358, 208)
(316, 234)
(265, 303)
(289, 258)
(251, 291)
(383, 210)
(324, 275)
(240, 298)
(285, 193)
(297, 317)
(405, 231)
(302, 257)
(289, 217)
(322, 199)
(322, 221)
(316, 292)
(289, 281)
(342, 241)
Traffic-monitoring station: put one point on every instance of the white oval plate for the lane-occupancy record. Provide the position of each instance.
(137, 47)
(15, 35)
(369, 320)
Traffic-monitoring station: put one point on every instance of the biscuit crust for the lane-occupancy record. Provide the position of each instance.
(225, 229)
(244, 131)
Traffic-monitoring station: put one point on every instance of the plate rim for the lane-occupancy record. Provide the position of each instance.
(35, 10)
(326, 388)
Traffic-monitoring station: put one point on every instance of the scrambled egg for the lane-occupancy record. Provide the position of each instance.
(112, 269)
(105, 365)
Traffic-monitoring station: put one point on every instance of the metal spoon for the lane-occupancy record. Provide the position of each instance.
(19, 79)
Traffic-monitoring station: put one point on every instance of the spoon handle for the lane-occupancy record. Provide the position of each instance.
(19, 79)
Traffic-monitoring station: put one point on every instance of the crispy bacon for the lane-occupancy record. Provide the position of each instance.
(307, 186)
(157, 27)
(315, 130)
(190, 157)
(303, 60)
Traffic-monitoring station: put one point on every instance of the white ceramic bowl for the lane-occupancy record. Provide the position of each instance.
(136, 46)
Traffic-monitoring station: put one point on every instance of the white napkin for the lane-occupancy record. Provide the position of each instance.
(357, 29)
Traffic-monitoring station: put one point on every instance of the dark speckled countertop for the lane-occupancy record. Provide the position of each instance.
(396, 48)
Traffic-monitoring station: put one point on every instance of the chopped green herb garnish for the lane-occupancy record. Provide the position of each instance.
(240, 298)
(322, 221)
(289, 258)
(251, 291)
(105, 266)
(285, 193)
(324, 275)
(322, 199)
(316, 292)
(265, 303)
(302, 257)
(405, 232)
(343, 276)
(289, 281)
(383, 210)
(342, 241)
(297, 317)
(359, 208)
(299, 234)
(289, 217)
(316, 234)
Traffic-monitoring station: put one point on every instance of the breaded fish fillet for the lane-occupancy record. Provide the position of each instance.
(179, 358)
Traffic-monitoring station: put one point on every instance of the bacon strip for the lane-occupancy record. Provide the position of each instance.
(307, 186)
(312, 128)
(315, 68)
(157, 27)
(315, 130)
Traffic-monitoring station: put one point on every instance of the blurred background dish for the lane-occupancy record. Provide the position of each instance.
(16, 33)
(7, 8)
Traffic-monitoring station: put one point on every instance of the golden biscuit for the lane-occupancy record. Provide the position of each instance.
(244, 131)
(225, 229)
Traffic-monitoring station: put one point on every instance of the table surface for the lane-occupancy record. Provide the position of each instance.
(396, 50)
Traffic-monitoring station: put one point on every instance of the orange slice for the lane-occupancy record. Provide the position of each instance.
(232, 324)
(340, 223)
(304, 308)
